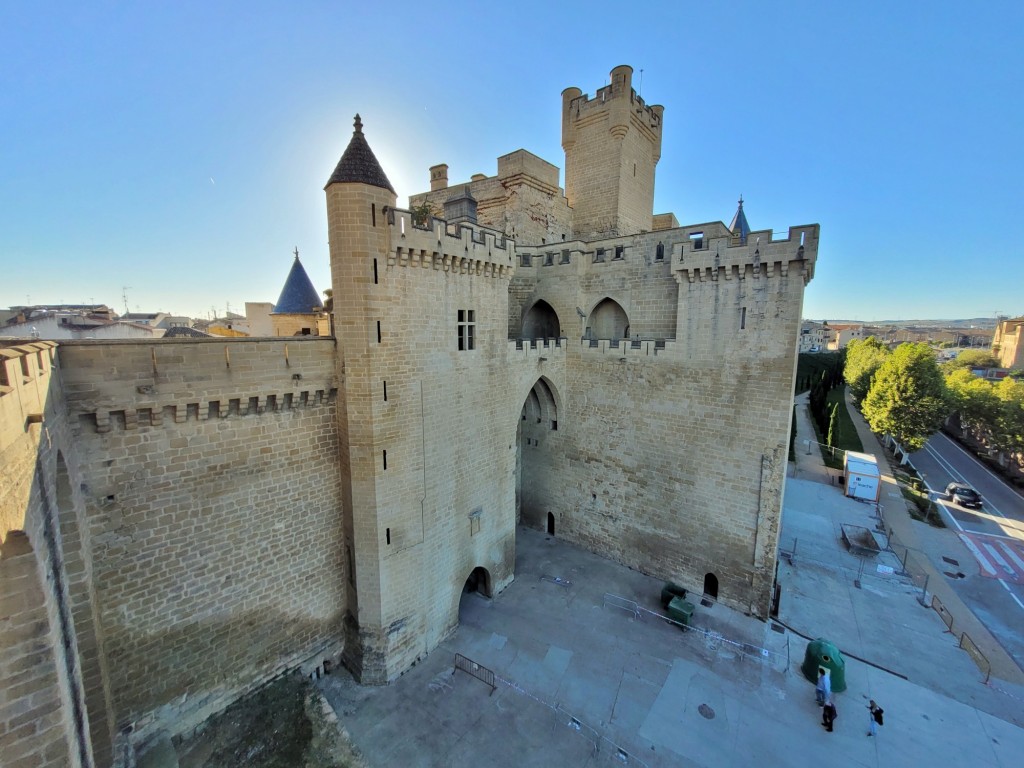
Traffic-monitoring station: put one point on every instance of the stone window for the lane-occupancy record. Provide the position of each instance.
(620, 252)
(524, 260)
(599, 255)
(743, 318)
(565, 256)
(697, 240)
(549, 259)
(467, 329)
(659, 252)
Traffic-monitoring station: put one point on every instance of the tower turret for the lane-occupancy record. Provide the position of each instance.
(358, 197)
(612, 144)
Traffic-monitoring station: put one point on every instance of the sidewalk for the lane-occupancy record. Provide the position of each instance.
(894, 513)
(809, 465)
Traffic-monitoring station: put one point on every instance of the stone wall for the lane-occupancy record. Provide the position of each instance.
(43, 718)
(212, 498)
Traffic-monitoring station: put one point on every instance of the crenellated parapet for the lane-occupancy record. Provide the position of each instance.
(706, 254)
(25, 371)
(456, 248)
(619, 103)
(113, 387)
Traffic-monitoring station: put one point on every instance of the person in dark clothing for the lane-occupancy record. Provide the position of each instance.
(828, 714)
(874, 718)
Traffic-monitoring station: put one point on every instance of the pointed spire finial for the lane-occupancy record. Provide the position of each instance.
(358, 124)
(296, 253)
(741, 199)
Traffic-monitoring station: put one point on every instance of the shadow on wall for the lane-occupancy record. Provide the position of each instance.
(152, 670)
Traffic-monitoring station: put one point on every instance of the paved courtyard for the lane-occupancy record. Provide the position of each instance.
(581, 681)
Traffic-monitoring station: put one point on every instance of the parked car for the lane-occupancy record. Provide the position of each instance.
(963, 494)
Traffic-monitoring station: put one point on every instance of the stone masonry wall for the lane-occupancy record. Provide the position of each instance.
(433, 455)
(42, 707)
(671, 459)
(212, 499)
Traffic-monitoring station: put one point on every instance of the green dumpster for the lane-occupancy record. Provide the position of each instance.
(669, 591)
(824, 653)
(680, 610)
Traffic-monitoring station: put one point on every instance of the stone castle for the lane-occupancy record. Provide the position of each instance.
(182, 520)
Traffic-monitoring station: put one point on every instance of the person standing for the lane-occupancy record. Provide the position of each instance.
(828, 714)
(874, 718)
(823, 690)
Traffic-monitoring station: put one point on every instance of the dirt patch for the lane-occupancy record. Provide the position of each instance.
(284, 724)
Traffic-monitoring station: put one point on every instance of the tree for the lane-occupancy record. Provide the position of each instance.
(863, 358)
(970, 358)
(421, 213)
(1008, 430)
(973, 399)
(830, 440)
(908, 397)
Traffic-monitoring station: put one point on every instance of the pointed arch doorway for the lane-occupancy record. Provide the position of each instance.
(538, 423)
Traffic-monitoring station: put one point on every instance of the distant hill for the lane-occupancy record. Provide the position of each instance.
(973, 322)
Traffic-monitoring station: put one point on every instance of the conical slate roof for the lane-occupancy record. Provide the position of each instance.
(739, 223)
(359, 164)
(298, 297)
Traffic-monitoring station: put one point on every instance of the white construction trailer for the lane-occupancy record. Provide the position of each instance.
(863, 480)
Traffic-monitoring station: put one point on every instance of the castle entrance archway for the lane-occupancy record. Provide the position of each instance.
(538, 423)
(478, 584)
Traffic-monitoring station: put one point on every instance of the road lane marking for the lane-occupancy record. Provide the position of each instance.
(977, 461)
(978, 556)
(1013, 556)
(1015, 598)
(999, 559)
(959, 476)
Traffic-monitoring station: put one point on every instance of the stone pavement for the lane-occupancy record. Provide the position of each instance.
(587, 675)
(583, 682)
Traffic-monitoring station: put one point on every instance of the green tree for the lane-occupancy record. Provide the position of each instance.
(970, 358)
(908, 397)
(863, 358)
(1008, 432)
(973, 399)
(830, 440)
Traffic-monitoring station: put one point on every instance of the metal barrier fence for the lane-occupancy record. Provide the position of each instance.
(747, 650)
(617, 754)
(481, 673)
(975, 653)
(912, 560)
(945, 615)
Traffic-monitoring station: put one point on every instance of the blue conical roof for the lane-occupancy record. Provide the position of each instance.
(298, 297)
(739, 224)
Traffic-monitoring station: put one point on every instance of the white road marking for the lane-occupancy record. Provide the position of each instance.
(958, 476)
(1015, 598)
(1013, 556)
(998, 558)
(982, 560)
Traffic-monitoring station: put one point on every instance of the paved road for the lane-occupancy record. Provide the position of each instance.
(994, 535)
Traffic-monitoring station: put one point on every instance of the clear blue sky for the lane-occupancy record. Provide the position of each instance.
(181, 148)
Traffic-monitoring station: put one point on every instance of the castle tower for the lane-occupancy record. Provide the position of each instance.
(299, 308)
(612, 144)
(358, 195)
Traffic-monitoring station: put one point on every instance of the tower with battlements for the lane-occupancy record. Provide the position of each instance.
(612, 145)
